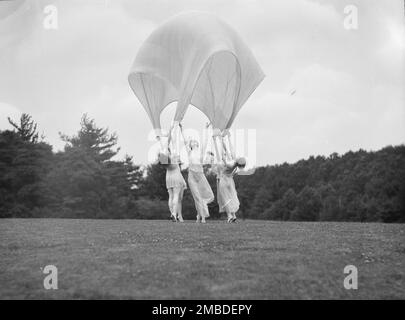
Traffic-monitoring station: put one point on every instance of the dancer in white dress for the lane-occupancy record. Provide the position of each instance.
(197, 182)
(175, 184)
(227, 197)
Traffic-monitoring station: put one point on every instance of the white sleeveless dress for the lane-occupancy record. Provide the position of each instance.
(174, 178)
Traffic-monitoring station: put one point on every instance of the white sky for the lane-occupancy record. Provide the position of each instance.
(349, 83)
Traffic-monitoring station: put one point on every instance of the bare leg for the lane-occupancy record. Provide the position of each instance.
(175, 202)
(177, 199)
(229, 215)
(171, 203)
(233, 216)
(205, 212)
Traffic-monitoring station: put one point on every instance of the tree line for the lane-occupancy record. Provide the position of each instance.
(85, 180)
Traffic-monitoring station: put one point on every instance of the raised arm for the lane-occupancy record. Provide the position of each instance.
(224, 152)
(205, 143)
(184, 139)
(169, 138)
(159, 139)
(229, 152)
(232, 149)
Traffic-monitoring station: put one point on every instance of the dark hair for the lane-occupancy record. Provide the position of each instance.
(240, 162)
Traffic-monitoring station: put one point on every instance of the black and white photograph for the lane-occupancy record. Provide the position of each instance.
(201, 155)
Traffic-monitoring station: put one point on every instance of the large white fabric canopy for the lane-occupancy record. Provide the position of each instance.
(195, 58)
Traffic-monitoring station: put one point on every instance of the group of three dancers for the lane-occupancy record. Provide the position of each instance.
(200, 188)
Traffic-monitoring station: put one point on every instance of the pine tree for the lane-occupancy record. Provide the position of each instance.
(86, 181)
(27, 129)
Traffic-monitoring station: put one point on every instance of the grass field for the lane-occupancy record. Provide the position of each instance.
(103, 259)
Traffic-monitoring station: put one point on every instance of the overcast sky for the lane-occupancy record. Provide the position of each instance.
(349, 84)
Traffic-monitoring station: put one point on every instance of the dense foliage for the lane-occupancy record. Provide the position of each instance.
(357, 186)
(86, 181)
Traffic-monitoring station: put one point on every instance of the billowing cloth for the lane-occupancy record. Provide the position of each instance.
(195, 58)
(201, 192)
(174, 178)
(227, 196)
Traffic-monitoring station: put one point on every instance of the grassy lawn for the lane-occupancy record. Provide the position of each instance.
(139, 259)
